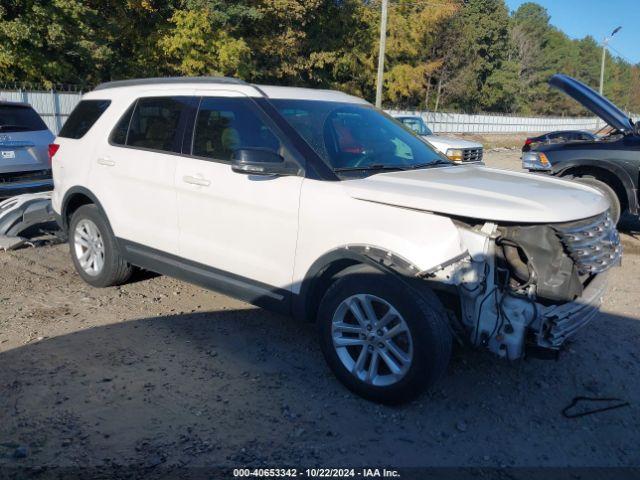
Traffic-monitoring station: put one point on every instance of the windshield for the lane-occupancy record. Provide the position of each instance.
(18, 118)
(417, 125)
(357, 137)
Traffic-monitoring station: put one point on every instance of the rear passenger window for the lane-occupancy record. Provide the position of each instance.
(154, 123)
(227, 124)
(83, 117)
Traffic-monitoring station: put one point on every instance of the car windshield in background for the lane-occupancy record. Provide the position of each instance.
(352, 137)
(19, 118)
(416, 125)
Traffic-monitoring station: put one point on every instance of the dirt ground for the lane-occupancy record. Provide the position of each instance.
(162, 374)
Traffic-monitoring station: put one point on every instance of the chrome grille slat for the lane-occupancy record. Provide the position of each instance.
(594, 243)
(567, 319)
(472, 154)
(559, 334)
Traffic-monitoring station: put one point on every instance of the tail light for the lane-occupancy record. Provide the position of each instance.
(528, 141)
(53, 148)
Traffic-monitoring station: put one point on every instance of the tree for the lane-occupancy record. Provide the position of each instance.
(475, 46)
(410, 58)
(469, 55)
(49, 42)
(199, 44)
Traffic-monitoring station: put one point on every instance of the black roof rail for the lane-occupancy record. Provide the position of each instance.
(162, 80)
(11, 103)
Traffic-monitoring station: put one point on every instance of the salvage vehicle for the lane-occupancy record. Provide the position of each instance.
(610, 163)
(560, 136)
(457, 150)
(24, 160)
(315, 204)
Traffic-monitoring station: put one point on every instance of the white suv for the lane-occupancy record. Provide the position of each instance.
(456, 149)
(315, 204)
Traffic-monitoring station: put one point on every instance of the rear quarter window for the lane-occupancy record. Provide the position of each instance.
(20, 118)
(83, 117)
(153, 123)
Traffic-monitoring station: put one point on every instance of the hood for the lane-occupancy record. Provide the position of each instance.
(444, 143)
(593, 101)
(482, 193)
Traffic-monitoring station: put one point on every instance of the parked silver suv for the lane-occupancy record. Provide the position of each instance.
(24, 143)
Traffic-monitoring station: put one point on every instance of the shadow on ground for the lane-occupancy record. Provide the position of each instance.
(246, 387)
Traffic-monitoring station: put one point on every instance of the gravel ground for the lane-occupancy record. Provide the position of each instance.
(162, 374)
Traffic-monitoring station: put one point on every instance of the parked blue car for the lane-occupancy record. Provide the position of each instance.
(24, 150)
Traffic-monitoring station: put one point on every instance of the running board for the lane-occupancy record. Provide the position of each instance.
(18, 214)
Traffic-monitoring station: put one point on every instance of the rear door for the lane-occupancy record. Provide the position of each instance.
(134, 171)
(243, 226)
(24, 140)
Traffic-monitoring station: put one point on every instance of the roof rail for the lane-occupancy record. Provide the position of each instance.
(11, 103)
(162, 80)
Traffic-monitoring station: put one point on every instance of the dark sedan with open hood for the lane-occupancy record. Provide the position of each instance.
(610, 163)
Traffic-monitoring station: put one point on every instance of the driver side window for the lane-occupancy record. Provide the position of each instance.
(224, 125)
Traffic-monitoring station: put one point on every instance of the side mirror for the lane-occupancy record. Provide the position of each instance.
(260, 161)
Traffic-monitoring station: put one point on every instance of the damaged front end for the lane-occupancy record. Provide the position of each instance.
(527, 288)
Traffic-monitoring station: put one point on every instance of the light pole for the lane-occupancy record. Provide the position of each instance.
(383, 44)
(604, 56)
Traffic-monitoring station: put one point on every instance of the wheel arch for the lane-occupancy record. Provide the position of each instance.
(324, 271)
(75, 198)
(613, 175)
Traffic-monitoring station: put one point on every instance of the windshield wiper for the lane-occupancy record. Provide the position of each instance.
(376, 166)
(432, 164)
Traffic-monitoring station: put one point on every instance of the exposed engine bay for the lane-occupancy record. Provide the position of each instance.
(528, 288)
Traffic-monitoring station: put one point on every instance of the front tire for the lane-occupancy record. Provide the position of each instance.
(94, 250)
(382, 339)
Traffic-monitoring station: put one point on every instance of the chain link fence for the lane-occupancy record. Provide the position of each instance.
(54, 106)
(441, 122)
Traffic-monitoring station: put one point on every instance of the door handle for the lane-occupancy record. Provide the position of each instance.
(107, 162)
(203, 182)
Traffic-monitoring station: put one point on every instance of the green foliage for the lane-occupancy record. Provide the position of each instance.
(446, 54)
(199, 44)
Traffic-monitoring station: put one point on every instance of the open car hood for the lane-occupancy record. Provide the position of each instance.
(593, 101)
(482, 193)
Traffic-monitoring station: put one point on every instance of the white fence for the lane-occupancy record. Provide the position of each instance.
(441, 122)
(55, 107)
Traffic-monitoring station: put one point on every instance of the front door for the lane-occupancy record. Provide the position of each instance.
(243, 227)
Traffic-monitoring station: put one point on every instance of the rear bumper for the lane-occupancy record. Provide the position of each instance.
(11, 189)
(562, 321)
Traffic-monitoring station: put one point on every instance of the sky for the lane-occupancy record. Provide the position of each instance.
(579, 18)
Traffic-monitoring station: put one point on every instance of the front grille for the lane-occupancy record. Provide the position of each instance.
(565, 320)
(593, 244)
(472, 155)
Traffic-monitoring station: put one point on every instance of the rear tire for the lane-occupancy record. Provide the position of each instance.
(389, 362)
(616, 209)
(94, 250)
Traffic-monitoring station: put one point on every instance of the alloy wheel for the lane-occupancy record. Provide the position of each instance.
(372, 340)
(89, 247)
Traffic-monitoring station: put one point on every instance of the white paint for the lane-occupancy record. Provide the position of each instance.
(483, 193)
(274, 229)
(442, 144)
